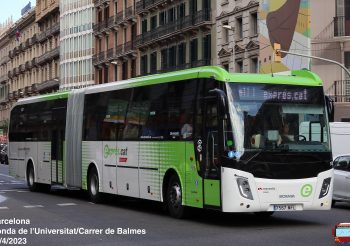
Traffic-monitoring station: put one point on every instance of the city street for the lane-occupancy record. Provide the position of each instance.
(62, 209)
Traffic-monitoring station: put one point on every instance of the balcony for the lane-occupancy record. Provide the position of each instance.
(5, 59)
(10, 96)
(340, 91)
(189, 23)
(48, 56)
(10, 74)
(28, 90)
(15, 71)
(48, 85)
(28, 65)
(341, 26)
(99, 58)
(20, 93)
(33, 39)
(22, 68)
(4, 78)
(35, 62)
(130, 14)
(15, 95)
(11, 54)
(48, 33)
(127, 49)
(146, 5)
(119, 18)
(99, 3)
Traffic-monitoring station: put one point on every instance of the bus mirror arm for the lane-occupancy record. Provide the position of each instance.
(223, 98)
(330, 108)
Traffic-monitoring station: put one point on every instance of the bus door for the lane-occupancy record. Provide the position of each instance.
(57, 144)
(210, 165)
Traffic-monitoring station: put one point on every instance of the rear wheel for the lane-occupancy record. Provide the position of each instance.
(333, 203)
(93, 186)
(174, 198)
(31, 178)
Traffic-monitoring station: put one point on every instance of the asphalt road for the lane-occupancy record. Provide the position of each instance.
(66, 210)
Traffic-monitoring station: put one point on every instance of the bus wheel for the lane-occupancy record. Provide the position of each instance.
(174, 198)
(93, 186)
(30, 179)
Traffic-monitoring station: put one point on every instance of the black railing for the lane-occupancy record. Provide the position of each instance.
(341, 26)
(119, 17)
(146, 4)
(187, 22)
(340, 91)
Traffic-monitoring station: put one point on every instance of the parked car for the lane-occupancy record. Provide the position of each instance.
(3, 155)
(341, 189)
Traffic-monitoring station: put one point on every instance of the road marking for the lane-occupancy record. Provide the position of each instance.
(6, 176)
(22, 191)
(9, 190)
(66, 204)
(3, 208)
(33, 206)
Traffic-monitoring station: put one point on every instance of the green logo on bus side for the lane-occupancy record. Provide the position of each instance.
(111, 151)
(306, 190)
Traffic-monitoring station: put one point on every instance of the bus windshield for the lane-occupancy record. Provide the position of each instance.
(267, 117)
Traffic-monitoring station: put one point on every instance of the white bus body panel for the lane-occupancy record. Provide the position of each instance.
(340, 138)
(43, 163)
(127, 169)
(92, 154)
(109, 172)
(269, 192)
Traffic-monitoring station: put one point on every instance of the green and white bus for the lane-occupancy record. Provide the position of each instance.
(200, 138)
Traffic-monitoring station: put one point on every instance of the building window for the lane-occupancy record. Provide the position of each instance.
(143, 64)
(172, 57)
(164, 58)
(181, 10)
(171, 15)
(144, 26)
(225, 33)
(254, 24)
(226, 67)
(239, 66)
(153, 22)
(106, 74)
(239, 28)
(181, 50)
(125, 70)
(207, 49)
(254, 65)
(116, 72)
(153, 62)
(194, 50)
(162, 18)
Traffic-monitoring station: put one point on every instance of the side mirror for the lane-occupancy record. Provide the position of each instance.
(330, 108)
(222, 101)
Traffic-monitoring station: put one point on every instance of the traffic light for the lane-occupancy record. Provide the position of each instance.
(277, 52)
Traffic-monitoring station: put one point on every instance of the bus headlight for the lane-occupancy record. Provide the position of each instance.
(325, 187)
(244, 188)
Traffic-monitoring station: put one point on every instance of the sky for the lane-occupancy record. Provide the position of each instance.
(12, 7)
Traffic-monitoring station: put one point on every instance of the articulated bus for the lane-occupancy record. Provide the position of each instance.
(200, 138)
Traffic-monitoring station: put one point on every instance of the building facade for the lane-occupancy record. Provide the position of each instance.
(175, 35)
(76, 43)
(47, 18)
(115, 33)
(330, 25)
(237, 35)
(18, 71)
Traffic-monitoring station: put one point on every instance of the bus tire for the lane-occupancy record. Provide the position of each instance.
(174, 198)
(93, 186)
(31, 178)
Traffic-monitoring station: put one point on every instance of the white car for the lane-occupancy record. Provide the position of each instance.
(341, 189)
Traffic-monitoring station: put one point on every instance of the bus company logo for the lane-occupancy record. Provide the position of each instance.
(266, 189)
(306, 190)
(107, 152)
(286, 196)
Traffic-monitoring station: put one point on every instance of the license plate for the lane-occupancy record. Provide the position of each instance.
(285, 207)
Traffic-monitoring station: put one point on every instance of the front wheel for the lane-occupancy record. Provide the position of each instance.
(30, 179)
(93, 186)
(174, 198)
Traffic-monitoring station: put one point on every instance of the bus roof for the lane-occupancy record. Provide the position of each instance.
(298, 77)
